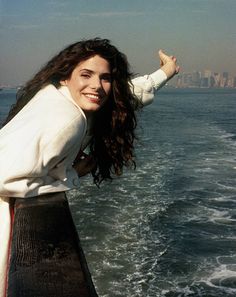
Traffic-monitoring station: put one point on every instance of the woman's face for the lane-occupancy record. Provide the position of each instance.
(90, 83)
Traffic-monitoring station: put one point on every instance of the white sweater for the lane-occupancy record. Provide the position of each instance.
(39, 145)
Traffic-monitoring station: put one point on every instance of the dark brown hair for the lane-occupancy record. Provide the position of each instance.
(115, 122)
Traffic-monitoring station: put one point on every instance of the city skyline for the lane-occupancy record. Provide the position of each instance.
(199, 32)
(205, 79)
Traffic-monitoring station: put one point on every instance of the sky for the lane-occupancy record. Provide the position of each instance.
(200, 33)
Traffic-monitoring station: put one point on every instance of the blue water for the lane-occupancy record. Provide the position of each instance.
(168, 228)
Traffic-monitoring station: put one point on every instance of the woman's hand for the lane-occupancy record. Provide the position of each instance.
(85, 164)
(168, 64)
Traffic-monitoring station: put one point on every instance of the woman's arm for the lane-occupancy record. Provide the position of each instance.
(144, 87)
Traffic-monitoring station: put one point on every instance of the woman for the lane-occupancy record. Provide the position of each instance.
(83, 96)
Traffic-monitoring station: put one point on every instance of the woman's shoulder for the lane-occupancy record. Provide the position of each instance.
(47, 111)
(51, 95)
(50, 102)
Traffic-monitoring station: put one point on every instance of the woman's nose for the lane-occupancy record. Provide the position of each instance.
(96, 84)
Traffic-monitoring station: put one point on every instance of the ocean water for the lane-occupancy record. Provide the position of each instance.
(168, 228)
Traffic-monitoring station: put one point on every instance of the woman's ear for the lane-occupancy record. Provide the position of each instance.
(63, 82)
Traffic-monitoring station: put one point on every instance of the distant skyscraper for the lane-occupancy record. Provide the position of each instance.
(234, 85)
(225, 78)
(196, 79)
(206, 79)
(205, 82)
(207, 73)
(216, 76)
(225, 75)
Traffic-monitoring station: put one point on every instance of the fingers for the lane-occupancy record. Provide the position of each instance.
(164, 58)
(161, 56)
(168, 64)
(177, 69)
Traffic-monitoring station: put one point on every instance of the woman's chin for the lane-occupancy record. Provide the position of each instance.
(92, 108)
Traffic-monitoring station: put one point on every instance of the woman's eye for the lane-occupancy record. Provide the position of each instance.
(106, 77)
(85, 75)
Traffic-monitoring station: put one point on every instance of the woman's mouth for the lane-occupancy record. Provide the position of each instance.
(93, 97)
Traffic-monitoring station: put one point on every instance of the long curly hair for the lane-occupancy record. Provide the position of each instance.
(114, 124)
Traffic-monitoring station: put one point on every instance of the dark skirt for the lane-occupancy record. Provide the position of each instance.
(46, 257)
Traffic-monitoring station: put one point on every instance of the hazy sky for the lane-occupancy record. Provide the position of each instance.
(201, 33)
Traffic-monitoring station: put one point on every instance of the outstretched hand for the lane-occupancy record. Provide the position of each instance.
(168, 64)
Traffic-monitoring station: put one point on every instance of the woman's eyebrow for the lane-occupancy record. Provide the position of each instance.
(91, 71)
(85, 69)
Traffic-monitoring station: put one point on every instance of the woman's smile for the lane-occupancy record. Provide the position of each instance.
(92, 97)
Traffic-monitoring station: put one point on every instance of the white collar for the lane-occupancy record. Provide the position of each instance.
(66, 93)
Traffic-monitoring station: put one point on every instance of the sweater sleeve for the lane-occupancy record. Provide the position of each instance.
(144, 87)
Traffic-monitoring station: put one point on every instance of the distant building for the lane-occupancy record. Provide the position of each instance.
(196, 79)
(234, 83)
(206, 79)
(217, 78)
(225, 78)
(204, 82)
(184, 80)
(225, 75)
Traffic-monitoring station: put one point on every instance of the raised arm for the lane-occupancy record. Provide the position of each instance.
(144, 87)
